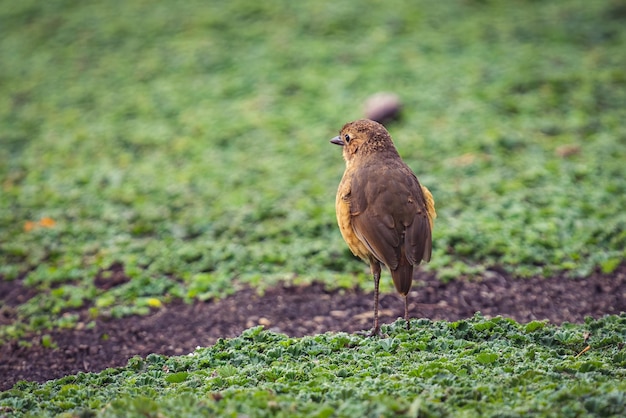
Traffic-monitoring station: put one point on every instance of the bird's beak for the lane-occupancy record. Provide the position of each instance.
(337, 141)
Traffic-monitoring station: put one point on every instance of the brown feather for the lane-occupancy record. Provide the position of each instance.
(403, 276)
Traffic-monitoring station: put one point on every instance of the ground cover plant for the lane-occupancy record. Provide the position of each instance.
(474, 367)
(151, 151)
(192, 149)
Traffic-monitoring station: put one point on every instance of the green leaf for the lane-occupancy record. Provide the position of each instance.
(176, 377)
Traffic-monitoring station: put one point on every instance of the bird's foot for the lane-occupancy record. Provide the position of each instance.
(375, 332)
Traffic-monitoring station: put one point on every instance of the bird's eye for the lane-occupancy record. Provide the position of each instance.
(347, 137)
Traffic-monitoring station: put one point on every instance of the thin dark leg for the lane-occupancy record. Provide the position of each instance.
(406, 311)
(376, 273)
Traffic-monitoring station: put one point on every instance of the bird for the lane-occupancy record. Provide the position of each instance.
(384, 214)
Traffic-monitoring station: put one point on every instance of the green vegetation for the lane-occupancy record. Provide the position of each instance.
(474, 367)
(188, 143)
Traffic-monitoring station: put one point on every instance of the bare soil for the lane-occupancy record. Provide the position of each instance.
(178, 328)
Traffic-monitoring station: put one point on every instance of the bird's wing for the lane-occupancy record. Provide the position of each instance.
(374, 227)
(381, 241)
(418, 238)
(418, 244)
(419, 234)
(389, 211)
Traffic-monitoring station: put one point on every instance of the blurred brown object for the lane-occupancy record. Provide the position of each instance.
(567, 150)
(383, 107)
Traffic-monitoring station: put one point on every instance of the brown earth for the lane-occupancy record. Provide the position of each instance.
(178, 328)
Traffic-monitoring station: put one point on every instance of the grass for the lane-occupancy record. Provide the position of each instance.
(474, 367)
(189, 142)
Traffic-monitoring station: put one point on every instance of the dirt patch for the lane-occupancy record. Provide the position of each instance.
(179, 328)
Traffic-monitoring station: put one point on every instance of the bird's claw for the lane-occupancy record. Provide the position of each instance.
(375, 332)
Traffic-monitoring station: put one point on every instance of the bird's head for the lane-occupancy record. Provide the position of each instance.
(363, 137)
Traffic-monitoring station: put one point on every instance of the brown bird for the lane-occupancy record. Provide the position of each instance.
(384, 214)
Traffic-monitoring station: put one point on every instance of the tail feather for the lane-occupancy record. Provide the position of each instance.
(403, 275)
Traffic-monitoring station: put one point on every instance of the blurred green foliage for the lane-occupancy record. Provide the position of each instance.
(189, 141)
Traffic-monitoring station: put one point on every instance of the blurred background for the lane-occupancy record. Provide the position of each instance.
(181, 150)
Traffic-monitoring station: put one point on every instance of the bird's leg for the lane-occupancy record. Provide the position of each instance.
(406, 311)
(375, 267)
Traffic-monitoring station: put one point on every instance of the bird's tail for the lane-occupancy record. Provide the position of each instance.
(403, 275)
